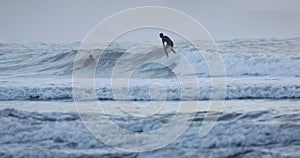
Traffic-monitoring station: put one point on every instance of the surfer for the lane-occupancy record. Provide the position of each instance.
(169, 44)
(90, 60)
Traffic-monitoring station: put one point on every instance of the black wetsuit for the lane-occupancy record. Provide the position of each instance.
(167, 40)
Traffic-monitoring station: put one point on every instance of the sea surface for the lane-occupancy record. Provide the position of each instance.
(260, 116)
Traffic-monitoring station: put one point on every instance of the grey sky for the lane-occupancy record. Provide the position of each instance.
(70, 20)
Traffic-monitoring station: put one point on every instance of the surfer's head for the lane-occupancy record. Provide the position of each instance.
(161, 35)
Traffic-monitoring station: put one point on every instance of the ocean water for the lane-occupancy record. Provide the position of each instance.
(260, 117)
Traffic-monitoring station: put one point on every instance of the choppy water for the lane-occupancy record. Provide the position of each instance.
(260, 117)
(246, 128)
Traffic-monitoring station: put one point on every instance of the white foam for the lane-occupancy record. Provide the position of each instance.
(139, 89)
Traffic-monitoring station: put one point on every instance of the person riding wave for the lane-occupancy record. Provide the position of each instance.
(169, 43)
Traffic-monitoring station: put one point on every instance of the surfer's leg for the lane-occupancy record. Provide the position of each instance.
(173, 50)
(166, 50)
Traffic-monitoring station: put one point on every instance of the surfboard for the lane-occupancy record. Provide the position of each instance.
(157, 61)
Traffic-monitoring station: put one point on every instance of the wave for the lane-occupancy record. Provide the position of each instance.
(140, 89)
(46, 116)
(25, 134)
(261, 57)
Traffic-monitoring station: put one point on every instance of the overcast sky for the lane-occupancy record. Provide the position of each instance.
(70, 20)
